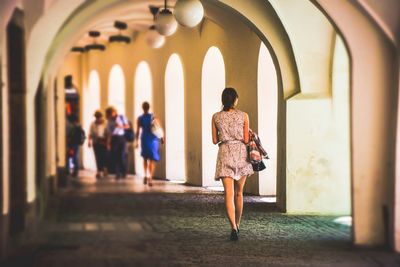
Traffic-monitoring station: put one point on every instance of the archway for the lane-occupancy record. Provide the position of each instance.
(91, 100)
(268, 119)
(175, 119)
(212, 85)
(116, 89)
(361, 76)
(143, 91)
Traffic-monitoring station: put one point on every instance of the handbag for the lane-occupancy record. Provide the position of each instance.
(156, 129)
(256, 153)
(129, 135)
(259, 166)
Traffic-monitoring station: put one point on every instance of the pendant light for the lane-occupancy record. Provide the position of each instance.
(78, 49)
(153, 38)
(119, 38)
(165, 21)
(95, 45)
(188, 13)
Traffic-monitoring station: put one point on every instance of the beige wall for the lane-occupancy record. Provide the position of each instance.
(239, 47)
(374, 87)
(311, 36)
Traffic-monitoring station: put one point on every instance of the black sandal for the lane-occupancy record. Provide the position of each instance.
(234, 235)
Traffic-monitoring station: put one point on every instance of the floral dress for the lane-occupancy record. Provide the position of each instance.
(232, 154)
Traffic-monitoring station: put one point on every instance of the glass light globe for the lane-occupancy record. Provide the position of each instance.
(188, 13)
(154, 39)
(166, 23)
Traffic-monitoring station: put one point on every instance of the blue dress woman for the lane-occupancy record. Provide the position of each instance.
(149, 143)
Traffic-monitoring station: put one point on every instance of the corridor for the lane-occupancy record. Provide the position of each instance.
(127, 224)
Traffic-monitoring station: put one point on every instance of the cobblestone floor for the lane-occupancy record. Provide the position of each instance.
(126, 224)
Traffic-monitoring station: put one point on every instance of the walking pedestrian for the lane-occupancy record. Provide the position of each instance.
(75, 138)
(116, 142)
(97, 140)
(149, 142)
(230, 130)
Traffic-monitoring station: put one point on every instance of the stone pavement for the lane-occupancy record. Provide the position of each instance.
(111, 223)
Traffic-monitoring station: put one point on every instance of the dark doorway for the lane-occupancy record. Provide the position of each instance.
(17, 120)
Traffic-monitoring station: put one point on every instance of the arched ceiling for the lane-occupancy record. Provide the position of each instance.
(259, 16)
(137, 17)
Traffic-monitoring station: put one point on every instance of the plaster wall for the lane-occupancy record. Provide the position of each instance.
(311, 35)
(374, 91)
(239, 47)
(318, 145)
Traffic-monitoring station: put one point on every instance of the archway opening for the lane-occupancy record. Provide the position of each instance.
(175, 119)
(267, 97)
(212, 85)
(116, 89)
(143, 91)
(91, 100)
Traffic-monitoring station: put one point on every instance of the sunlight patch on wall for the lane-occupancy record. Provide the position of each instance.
(212, 85)
(143, 91)
(268, 119)
(175, 119)
(116, 89)
(91, 98)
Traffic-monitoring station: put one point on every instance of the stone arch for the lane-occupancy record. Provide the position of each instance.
(367, 231)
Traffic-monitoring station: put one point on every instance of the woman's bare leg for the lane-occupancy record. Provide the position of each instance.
(145, 167)
(239, 185)
(229, 200)
(152, 166)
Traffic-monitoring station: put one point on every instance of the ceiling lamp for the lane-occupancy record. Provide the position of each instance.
(119, 38)
(95, 46)
(153, 38)
(78, 49)
(188, 13)
(165, 21)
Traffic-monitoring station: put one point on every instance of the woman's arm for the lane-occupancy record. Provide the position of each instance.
(137, 129)
(246, 129)
(214, 131)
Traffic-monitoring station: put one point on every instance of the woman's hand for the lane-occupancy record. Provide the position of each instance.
(214, 132)
(162, 140)
(246, 129)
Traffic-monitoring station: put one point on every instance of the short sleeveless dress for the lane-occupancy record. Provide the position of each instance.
(149, 142)
(232, 154)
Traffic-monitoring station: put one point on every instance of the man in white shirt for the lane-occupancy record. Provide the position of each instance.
(116, 143)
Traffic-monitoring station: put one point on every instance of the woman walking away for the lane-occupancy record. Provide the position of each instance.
(149, 143)
(98, 140)
(230, 130)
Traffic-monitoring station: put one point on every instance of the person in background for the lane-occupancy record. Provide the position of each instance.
(230, 130)
(116, 143)
(149, 143)
(98, 140)
(75, 138)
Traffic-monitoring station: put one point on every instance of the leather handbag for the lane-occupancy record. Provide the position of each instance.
(156, 129)
(256, 152)
(259, 166)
